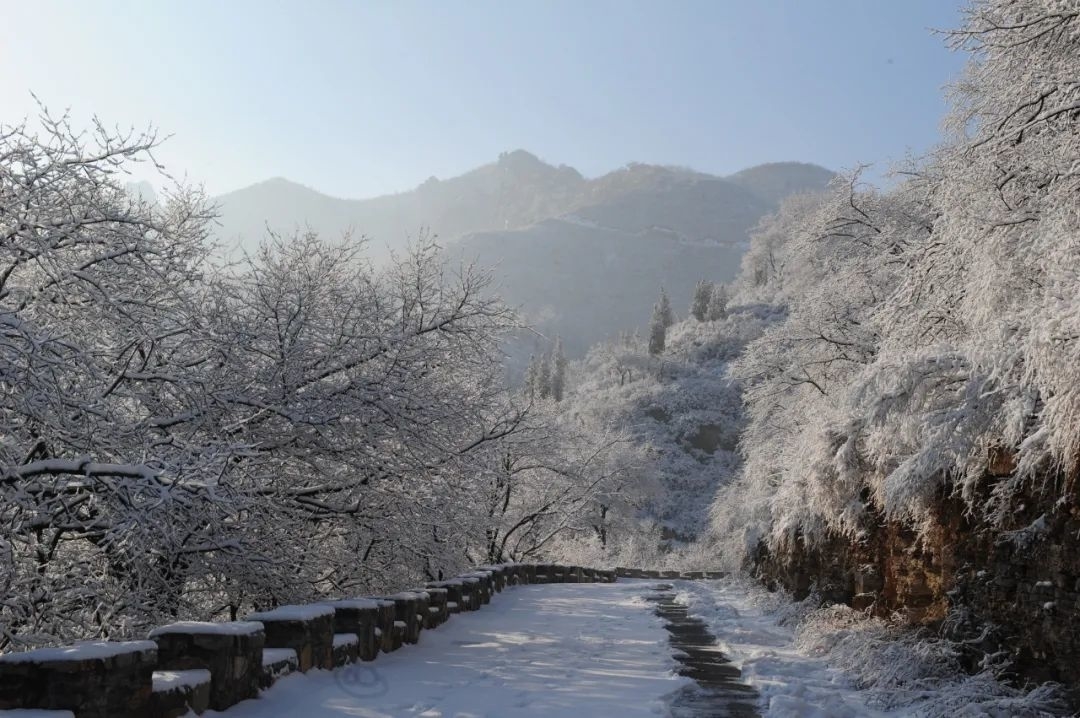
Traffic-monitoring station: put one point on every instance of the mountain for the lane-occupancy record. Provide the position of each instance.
(582, 258)
(515, 191)
(598, 269)
(776, 180)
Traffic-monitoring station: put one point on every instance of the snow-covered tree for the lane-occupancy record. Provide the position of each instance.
(178, 440)
(543, 377)
(558, 370)
(657, 331)
(663, 309)
(717, 306)
(923, 330)
(699, 305)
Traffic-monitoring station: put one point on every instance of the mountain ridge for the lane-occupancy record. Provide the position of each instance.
(580, 258)
(515, 191)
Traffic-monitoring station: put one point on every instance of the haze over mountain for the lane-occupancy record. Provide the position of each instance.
(582, 258)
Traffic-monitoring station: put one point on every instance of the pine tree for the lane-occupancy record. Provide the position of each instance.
(531, 376)
(558, 370)
(717, 304)
(699, 307)
(667, 314)
(658, 330)
(543, 377)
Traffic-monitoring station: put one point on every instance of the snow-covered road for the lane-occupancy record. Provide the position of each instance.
(550, 650)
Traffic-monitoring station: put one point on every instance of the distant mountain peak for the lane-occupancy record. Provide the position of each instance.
(775, 180)
(520, 158)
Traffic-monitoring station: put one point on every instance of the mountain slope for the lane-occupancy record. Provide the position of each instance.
(515, 191)
(596, 271)
(582, 258)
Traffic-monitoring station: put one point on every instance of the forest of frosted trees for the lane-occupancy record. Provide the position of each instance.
(880, 346)
(184, 437)
(933, 326)
(181, 438)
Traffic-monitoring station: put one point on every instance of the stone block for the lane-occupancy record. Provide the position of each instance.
(102, 679)
(359, 616)
(527, 573)
(231, 651)
(384, 636)
(438, 613)
(498, 576)
(277, 663)
(515, 574)
(308, 630)
(410, 608)
(455, 594)
(473, 593)
(180, 693)
(346, 648)
(486, 582)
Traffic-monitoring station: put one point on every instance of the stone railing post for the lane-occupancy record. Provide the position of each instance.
(438, 613)
(472, 593)
(308, 630)
(232, 652)
(456, 595)
(389, 639)
(93, 680)
(485, 582)
(360, 617)
(409, 607)
(498, 576)
(346, 648)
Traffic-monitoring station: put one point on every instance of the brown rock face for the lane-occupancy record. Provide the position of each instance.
(1023, 579)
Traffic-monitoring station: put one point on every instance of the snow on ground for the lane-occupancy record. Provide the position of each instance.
(551, 650)
(834, 662)
(790, 682)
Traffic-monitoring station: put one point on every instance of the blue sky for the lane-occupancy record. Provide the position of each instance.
(363, 98)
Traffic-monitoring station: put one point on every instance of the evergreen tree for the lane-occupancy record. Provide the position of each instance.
(717, 304)
(543, 377)
(667, 314)
(558, 370)
(658, 329)
(531, 377)
(699, 307)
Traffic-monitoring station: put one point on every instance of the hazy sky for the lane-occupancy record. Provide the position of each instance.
(362, 98)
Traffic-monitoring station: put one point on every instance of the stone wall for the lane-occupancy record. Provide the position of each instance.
(190, 667)
(1021, 581)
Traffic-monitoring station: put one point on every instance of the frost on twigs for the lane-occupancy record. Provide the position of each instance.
(181, 440)
(926, 336)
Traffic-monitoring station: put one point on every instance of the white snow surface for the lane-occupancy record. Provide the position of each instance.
(80, 651)
(293, 613)
(225, 628)
(561, 650)
(850, 669)
(277, 655)
(345, 639)
(355, 603)
(172, 680)
(792, 684)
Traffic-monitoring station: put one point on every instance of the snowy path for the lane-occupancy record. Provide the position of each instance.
(551, 650)
(792, 684)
